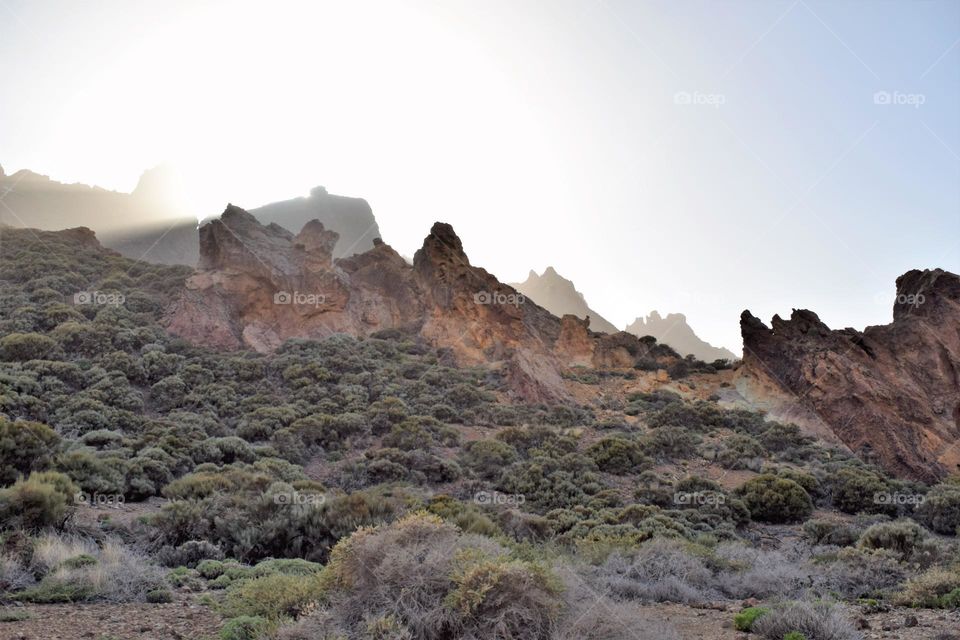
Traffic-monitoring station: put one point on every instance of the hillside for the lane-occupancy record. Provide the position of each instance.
(280, 493)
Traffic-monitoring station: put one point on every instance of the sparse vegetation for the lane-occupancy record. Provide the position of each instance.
(366, 488)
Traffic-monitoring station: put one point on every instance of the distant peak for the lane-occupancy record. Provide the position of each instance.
(318, 192)
(532, 275)
(550, 271)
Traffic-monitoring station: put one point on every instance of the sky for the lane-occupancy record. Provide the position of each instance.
(684, 156)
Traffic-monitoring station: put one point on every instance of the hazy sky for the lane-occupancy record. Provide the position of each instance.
(702, 157)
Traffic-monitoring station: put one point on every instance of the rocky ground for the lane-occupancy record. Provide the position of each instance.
(186, 619)
(182, 619)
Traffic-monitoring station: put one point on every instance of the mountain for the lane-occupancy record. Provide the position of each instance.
(558, 295)
(674, 331)
(150, 223)
(258, 285)
(890, 393)
(36, 201)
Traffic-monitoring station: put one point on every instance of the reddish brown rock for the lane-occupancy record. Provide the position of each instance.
(890, 393)
(257, 286)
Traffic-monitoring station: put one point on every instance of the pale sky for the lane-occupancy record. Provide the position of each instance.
(694, 157)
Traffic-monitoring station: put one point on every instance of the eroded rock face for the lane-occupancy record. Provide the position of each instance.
(890, 393)
(257, 286)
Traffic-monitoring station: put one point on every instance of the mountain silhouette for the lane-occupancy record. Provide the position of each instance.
(560, 297)
(674, 331)
(153, 225)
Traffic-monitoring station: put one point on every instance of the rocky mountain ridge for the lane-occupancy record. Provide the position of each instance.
(257, 285)
(891, 393)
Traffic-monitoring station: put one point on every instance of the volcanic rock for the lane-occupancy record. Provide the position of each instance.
(891, 393)
(257, 286)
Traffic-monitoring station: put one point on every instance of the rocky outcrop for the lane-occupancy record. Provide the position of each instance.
(673, 330)
(258, 285)
(560, 297)
(891, 393)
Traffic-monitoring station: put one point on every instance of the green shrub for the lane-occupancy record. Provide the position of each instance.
(273, 596)
(773, 499)
(854, 489)
(489, 458)
(794, 635)
(20, 347)
(618, 455)
(210, 569)
(744, 620)
(902, 537)
(671, 442)
(159, 596)
(245, 628)
(740, 451)
(24, 447)
(940, 509)
(42, 500)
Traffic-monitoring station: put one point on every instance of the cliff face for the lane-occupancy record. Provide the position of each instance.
(674, 331)
(891, 392)
(257, 286)
(560, 297)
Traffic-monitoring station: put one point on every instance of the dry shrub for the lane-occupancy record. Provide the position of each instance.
(51, 550)
(590, 615)
(926, 589)
(112, 572)
(422, 578)
(761, 573)
(816, 621)
(13, 575)
(857, 574)
(662, 571)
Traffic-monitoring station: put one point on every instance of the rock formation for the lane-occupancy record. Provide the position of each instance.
(891, 393)
(674, 331)
(560, 297)
(257, 286)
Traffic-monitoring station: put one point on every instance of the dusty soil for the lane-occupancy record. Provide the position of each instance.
(182, 619)
(186, 620)
(713, 624)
